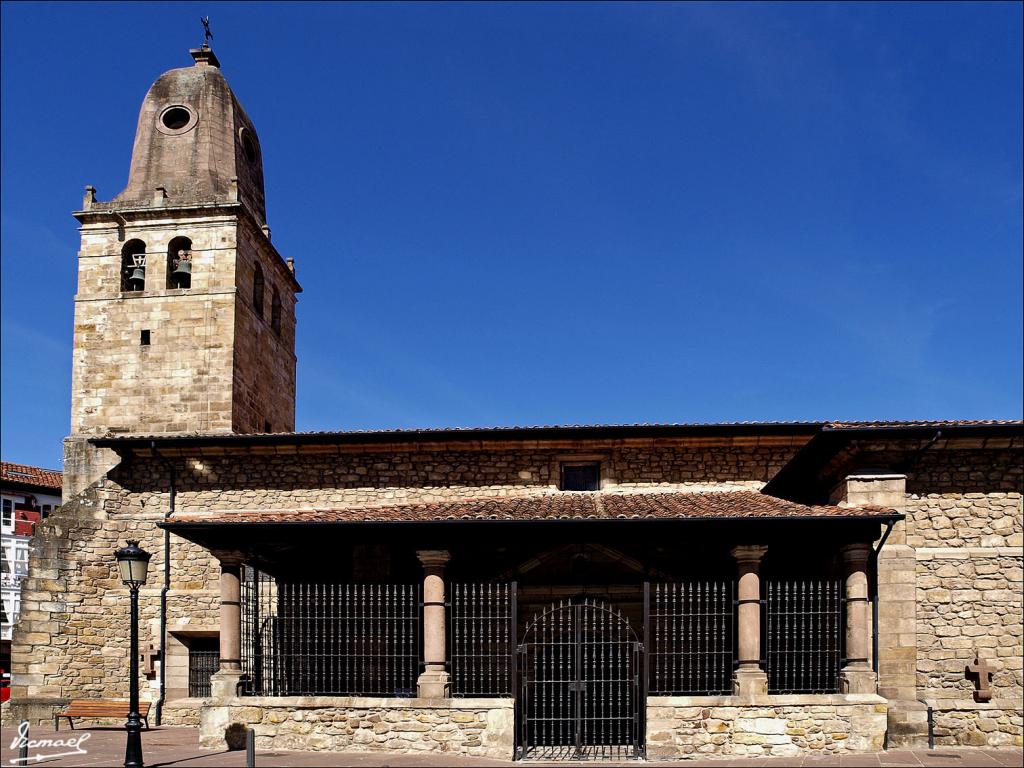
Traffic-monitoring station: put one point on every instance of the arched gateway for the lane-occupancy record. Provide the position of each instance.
(580, 689)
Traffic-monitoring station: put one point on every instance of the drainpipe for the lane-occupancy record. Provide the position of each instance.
(874, 598)
(165, 588)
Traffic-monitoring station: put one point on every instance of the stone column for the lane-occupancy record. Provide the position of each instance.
(857, 676)
(224, 682)
(433, 682)
(749, 679)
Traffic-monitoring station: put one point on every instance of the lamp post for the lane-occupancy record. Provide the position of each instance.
(133, 563)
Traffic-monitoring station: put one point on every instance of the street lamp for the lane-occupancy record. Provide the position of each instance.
(133, 563)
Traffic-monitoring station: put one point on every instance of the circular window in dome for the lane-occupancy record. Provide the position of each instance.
(248, 144)
(176, 119)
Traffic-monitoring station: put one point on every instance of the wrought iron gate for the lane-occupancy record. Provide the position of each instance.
(580, 685)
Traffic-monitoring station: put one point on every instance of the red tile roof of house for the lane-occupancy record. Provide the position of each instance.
(26, 475)
(554, 506)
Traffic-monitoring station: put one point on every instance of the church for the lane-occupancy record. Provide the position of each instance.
(640, 591)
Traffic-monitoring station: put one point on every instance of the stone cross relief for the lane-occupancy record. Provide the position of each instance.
(149, 658)
(982, 671)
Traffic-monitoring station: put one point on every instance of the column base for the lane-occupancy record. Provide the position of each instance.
(858, 679)
(433, 685)
(224, 683)
(749, 682)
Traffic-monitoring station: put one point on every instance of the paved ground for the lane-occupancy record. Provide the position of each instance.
(178, 747)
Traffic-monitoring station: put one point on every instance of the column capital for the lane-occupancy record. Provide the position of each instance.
(433, 558)
(856, 554)
(749, 553)
(228, 558)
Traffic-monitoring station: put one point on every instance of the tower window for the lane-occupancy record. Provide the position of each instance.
(179, 263)
(144, 339)
(248, 145)
(581, 476)
(275, 312)
(257, 291)
(133, 266)
(176, 118)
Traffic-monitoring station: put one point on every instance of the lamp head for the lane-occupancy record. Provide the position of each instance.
(133, 561)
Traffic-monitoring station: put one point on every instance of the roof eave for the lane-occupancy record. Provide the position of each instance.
(173, 525)
(499, 434)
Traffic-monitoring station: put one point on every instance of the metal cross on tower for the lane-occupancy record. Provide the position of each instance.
(207, 34)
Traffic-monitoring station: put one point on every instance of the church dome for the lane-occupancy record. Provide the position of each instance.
(196, 142)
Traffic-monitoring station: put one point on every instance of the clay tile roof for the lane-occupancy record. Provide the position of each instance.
(537, 432)
(26, 475)
(926, 423)
(561, 506)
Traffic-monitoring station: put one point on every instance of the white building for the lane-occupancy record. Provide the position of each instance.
(27, 495)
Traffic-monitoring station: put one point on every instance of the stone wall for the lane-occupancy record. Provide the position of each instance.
(776, 726)
(966, 498)
(410, 474)
(996, 723)
(211, 364)
(970, 603)
(964, 519)
(263, 390)
(181, 381)
(476, 727)
(72, 638)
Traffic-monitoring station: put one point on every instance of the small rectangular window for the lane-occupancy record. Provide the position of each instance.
(144, 339)
(581, 477)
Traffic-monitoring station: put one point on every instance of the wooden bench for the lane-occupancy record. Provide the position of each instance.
(114, 708)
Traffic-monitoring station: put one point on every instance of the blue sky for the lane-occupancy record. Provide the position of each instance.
(536, 214)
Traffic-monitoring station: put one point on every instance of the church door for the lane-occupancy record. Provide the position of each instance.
(580, 691)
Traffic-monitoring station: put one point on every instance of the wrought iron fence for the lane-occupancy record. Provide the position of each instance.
(690, 631)
(482, 639)
(804, 636)
(259, 656)
(331, 639)
(201, 664)
(580, 686)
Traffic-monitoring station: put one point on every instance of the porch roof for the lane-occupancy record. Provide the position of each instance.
(728, 505)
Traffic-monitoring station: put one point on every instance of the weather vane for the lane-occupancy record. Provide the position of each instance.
(207, 34)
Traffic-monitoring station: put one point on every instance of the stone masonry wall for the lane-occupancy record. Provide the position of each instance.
(71, 640)
(182, 380)
(966, 498)
(211, 364)
(476, 727)
(265, 481)
(778, 726)
(964, 519)
(970, 602)
(264, 361)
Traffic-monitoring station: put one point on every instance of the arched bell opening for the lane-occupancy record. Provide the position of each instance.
(133, 266)
(179, 263)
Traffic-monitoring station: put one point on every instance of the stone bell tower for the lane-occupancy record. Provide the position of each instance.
(185, 311)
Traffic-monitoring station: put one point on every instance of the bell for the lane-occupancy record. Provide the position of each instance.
(137, 279)
(184, 269)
